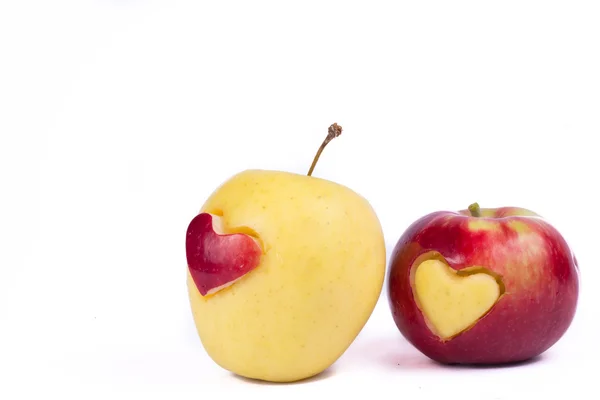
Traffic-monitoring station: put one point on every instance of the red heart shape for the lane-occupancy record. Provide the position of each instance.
(216, 260)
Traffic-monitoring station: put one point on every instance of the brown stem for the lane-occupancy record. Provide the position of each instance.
(334, 131)
(475, 210)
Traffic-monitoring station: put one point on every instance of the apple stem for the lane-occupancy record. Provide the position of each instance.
(334, 131)
(475, 210)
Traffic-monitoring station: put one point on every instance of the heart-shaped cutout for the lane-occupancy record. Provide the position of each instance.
(453, 301)
(217, 259)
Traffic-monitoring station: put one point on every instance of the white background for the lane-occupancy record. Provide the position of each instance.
(118, 119)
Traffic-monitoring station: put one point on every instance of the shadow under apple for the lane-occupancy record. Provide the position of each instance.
(523, 363)
(411, 359)
(315, 378)
(395, 353)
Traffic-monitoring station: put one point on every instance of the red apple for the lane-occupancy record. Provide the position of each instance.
(216, 259)
(482, 286)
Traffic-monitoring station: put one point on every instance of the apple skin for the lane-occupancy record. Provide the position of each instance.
(538, 269)
(215, 259)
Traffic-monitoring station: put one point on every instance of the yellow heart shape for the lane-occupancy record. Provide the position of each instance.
(453, 301)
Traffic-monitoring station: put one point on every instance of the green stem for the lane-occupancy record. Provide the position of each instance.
(475, 210)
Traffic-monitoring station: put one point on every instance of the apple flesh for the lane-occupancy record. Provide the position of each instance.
(217, 259)
(482, 286)
(452, 300)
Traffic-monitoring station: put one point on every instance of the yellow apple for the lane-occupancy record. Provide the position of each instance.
(284, 271)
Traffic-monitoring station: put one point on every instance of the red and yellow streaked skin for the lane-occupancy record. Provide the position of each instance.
(538, 270)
